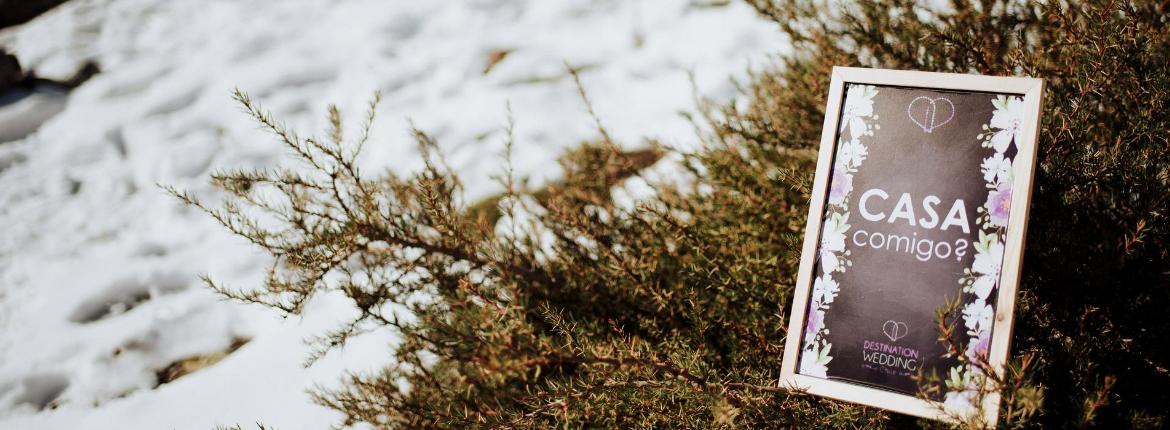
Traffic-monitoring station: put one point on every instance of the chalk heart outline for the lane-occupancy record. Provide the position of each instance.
(895, 330)
(930, 116)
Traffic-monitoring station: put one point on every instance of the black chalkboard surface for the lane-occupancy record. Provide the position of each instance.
(914, 212)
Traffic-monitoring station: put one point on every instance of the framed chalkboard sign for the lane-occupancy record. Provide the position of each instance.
(918, 210)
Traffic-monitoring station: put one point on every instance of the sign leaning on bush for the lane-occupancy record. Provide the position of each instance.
(917, 222)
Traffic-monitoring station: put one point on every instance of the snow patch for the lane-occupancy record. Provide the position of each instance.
(99, 286)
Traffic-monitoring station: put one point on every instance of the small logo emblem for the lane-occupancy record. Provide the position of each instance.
(895, 330)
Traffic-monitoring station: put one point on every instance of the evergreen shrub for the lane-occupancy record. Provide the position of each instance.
(562, 308)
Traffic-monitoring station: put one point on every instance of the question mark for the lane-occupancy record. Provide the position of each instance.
(960, 248)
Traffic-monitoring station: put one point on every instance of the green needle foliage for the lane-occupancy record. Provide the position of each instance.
(559, 308)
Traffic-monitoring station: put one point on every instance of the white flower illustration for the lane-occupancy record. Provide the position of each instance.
(988, 262)
(825, 289)
(832, 242)
(1009, 119)
(852, 152)
(858, 105)
(977, 316)
(961, 402)
(997, 168)
(963, 390)
(814, 362)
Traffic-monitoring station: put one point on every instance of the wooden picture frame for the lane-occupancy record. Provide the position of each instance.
(1030, 92)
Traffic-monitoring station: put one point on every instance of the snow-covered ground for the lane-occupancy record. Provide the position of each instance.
(99, 268)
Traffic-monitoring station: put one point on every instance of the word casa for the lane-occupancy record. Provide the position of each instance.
(904, 210)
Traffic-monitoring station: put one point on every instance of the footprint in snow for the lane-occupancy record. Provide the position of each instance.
(126, 294)
(175, 102)
(40, 391)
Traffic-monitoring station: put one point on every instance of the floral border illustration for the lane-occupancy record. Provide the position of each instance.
(981, 280)
(857, 117)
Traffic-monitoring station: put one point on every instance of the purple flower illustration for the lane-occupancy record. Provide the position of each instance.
(816, 320)
(999, 203)
(977, 348)
(840, 184)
